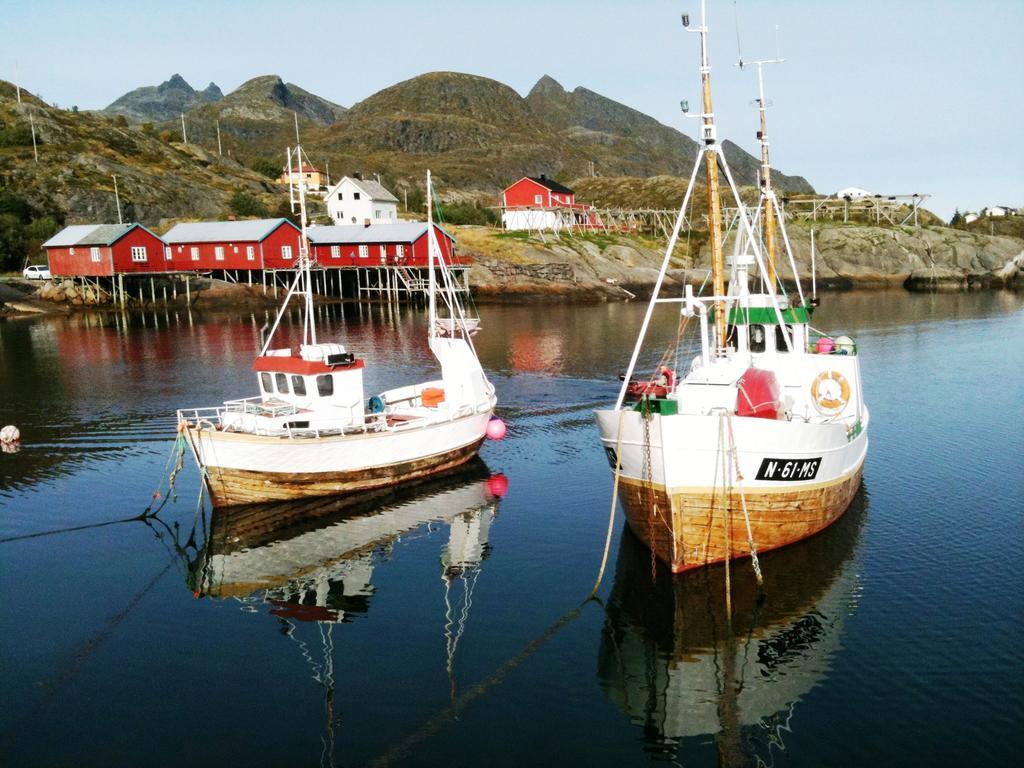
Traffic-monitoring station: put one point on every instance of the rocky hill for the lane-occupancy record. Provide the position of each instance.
(72, 182)
(163, 102)
(477, 133)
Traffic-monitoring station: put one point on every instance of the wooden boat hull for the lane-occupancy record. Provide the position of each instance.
(693, 528)
(247, 469)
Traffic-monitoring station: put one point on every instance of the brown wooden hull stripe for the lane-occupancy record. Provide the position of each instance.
(688, 530)
(240, 486)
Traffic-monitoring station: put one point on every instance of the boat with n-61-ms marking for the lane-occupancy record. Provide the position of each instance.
(761, 441)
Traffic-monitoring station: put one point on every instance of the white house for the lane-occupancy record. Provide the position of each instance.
(969, 217)
(997, 210)
(355, 200)
(853, 193)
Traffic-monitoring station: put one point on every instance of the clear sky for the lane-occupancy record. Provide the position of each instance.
(896, 96)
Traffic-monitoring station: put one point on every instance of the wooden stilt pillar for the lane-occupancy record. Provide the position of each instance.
(188, 296)
(152, 289)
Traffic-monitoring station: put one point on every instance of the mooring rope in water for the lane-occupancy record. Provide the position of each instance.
(177, 450)
(611, 513)
(743, 502)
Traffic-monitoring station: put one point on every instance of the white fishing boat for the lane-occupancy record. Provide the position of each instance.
(311, 431)
(761, 440)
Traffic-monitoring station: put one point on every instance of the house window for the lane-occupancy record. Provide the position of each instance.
(355, 195)
(234, 249)
(298, 385)
(218, 253)
(538, 199)
(138, 253)
(376, 213)
(325, 385)
(282, 383)
(286, 251)
(400, 250)
(383, 253)
(335, 251)
(341, 196)
(250, 253)
(340, 216)
(267, 382)
(71, 251)
(94, 253)
(364, 251)
(167, 253)
(195, 252)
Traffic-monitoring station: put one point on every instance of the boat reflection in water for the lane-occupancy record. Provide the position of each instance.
(310, 562)
(669, 659)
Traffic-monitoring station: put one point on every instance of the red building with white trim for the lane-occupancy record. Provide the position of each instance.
(403, 244)
(542, 203)
(249, 244)
(103, 250)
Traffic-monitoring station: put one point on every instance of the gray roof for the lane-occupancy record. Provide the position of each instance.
(373, 189)
(399, 232)
(90, 234)
(247, 230)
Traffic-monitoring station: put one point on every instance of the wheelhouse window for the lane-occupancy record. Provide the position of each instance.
(267, 383)
(780, 337)
(731, 336)
(325, 385)
(298, 385)
(757, 338)
(138, 253)
(282, 383)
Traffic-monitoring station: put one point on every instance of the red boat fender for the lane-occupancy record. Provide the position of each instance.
(758, 394)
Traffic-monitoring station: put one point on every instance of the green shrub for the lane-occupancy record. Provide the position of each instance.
(467, 213)
(244, 204)
(266, 167)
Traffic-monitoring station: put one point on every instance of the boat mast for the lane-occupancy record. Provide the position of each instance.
(431, 279)
(767, 196)
(714, 201)
(309, 326)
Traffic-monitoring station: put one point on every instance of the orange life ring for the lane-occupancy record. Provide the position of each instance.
(822, 401)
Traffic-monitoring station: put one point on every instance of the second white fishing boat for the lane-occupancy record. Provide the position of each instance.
(311, 431)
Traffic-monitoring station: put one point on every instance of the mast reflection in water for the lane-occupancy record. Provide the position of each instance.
(310, 563)
(669, 659)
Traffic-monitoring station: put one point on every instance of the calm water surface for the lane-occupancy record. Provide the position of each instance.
(437, 625)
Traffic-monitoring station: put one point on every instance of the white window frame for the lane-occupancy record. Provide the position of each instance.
(71, 251)
(218, 252)
(538, 199)
(376, 213)
(94, 254)
(139, 255)
(335, 251)
(286, 252)
(194, 252)
(364, 251)
(250, 253)
(400, 250)
(168, 253)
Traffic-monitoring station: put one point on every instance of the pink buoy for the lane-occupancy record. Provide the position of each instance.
(495, 428)
(824, 346)
(497, 485)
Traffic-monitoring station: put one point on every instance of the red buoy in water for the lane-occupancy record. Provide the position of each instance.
(497, 485)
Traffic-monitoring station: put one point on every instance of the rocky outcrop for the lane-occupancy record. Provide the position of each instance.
(163, 102)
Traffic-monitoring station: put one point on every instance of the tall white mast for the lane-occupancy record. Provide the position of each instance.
(309, 327)
(431, 280)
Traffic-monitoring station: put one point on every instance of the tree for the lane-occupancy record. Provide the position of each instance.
(12, 242)
(284, 211)
(957, 220)
(244, 204)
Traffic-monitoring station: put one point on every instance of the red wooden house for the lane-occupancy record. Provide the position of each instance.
(102, 250)
(239, 245)
(402, 244)
(537, 192)
(540, 203)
